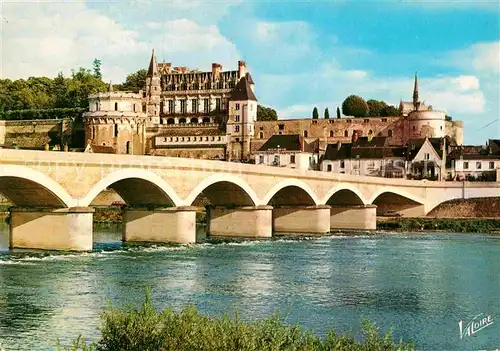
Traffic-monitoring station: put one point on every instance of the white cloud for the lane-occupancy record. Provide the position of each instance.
(482, 58)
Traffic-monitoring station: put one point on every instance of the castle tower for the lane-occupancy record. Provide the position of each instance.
(153, 91)
(242, 117)
(416, 103)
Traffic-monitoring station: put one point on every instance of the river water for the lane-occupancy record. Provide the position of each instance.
(421, 285)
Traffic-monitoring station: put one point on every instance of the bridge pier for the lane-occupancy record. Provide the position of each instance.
(245, 221)
(301, 219)
(51, 229)
(163, 225)
(353, 217)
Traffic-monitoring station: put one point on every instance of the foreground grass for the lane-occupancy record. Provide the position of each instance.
(145, 329)
(448, 224)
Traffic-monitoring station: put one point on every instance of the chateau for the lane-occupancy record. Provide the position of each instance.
(213, 115)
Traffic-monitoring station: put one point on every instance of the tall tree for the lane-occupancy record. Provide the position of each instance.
(135, 81)
(375, 107)
(327, 113)
(355, 106)
(338, 112)
(315, 113)
(389, 110)
(97, 68)
(266, 113)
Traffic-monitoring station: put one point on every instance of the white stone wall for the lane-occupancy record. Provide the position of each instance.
(364, 167)
(303, 160)
(429, 124)
(476, 167)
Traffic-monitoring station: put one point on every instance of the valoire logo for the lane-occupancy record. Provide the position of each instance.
(475, 324)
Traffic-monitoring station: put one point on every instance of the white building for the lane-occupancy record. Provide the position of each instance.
(292, 151)
(477, 162)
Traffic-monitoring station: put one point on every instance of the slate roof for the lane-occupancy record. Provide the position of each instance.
(249, 78)
(289, 142)
(242, 91)
(153, 66)
(378, 149)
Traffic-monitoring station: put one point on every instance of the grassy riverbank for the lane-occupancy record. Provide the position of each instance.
(456, 225)
(146, 329)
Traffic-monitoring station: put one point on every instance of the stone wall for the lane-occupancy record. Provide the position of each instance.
(202, 153)
(481, 207)
(331, 130)
(35, 133)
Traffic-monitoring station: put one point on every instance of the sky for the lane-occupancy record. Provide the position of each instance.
(301, 54)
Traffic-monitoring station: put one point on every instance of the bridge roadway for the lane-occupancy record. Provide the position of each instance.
(53, 192)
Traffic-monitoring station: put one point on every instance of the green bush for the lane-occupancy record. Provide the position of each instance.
(146, 329)
(52, 113)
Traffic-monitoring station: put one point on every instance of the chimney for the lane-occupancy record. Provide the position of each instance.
(242, 69)
(216, 69)
(354, 136)
(339, 145)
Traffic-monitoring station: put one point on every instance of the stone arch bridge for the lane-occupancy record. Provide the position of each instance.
(53, 191)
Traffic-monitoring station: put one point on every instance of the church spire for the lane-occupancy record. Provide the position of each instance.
(153, 66)
(415, 92)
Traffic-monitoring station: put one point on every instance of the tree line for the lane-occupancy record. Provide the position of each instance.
(356, 106)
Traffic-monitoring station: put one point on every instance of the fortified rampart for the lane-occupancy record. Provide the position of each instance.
(36, 133)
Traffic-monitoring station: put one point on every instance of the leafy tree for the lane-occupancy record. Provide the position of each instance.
(327, 113)
(266, 114)
(338, 112)
(375, 107)
(135, 81)
(315, 113)
(97, 68)
(355, 106)
(389, 110)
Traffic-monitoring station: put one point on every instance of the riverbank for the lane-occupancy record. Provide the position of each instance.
(147, 329)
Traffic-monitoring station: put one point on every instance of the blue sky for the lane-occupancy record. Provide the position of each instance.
(301, 53)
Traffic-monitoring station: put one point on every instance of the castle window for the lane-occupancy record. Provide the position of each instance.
(237, 139)
(261, 158)
(261, 135)
(342, 164)
(93, 132)
(384, 119)
(280, 133)
(206, 105)
(213, 138)
(348, 120)
(97, 106)
(366, 120)
(292, 158)
(346, 133)
(315, 122)
(236, 129)
(389, 133)
(134, 107)
(116, 106)
(194, 120)
(281, 126)
(183, 106)
(194, 106)
(305, 133)
(331, 133)
(171, 106)
(218, 138)
(116, 130)
(329, 168)
(237, 107)
(466, 165)
(441, 127)
(217, 104)
(170, 121)
(206, 120)
(492, 164)
(127, 148)
(370, 132)
(414, 128)
(206, 138)
(182, 121)
(237, 118)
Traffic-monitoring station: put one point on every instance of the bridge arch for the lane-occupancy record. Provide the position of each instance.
(399, 201)
(344, 195)
(136, 187)
(291, 192)
(218, 188)
(27, 187)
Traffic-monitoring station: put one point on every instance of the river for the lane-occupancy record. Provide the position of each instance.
(421, 285)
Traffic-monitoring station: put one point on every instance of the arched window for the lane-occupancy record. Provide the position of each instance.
(97, 106)
(170, 121)
(331, 133)
(346, 133)
(194, 120)
(116, 106)
(206, 120)
(182, 121)
(305, 133)
(389, 133)
(261, 135)
(93, 132)
(127, 147)
(370, 132)
(116, 130)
